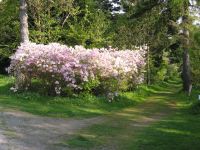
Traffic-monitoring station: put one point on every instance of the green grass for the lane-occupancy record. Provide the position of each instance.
(179, 130)
(84, 141)
(194, 102)
(85, 105)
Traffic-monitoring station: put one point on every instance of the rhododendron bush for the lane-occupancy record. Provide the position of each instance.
(60, 67)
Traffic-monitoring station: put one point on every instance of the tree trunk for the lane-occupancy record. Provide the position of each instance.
(24, 33)
(148, 68)
(22, 80)
(186, 71)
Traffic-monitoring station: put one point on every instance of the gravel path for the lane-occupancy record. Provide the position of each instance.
(23, 131)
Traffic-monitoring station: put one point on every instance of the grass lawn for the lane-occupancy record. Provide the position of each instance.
(178, 132)
(142, 128)
(158, 117)
(85, 105)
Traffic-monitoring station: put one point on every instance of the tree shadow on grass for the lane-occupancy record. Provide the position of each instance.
(81, 106)
(181, 132)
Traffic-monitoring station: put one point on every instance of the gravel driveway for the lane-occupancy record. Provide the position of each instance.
(23, 131)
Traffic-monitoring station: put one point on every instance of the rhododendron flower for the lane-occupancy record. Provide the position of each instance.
(64, 66)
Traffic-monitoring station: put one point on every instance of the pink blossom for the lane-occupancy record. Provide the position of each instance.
(73, 66)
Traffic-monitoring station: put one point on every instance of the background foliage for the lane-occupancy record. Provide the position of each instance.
(93, 23)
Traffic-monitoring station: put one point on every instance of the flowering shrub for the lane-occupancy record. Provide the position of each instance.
(59, 67)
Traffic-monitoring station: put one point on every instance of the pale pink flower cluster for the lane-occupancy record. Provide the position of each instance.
(63, 66)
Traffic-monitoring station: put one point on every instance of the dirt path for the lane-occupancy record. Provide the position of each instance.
(23, 131)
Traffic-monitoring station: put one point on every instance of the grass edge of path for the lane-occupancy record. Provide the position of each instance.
(120, 133)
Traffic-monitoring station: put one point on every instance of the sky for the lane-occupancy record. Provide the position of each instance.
(114, 5)
(194, 12)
